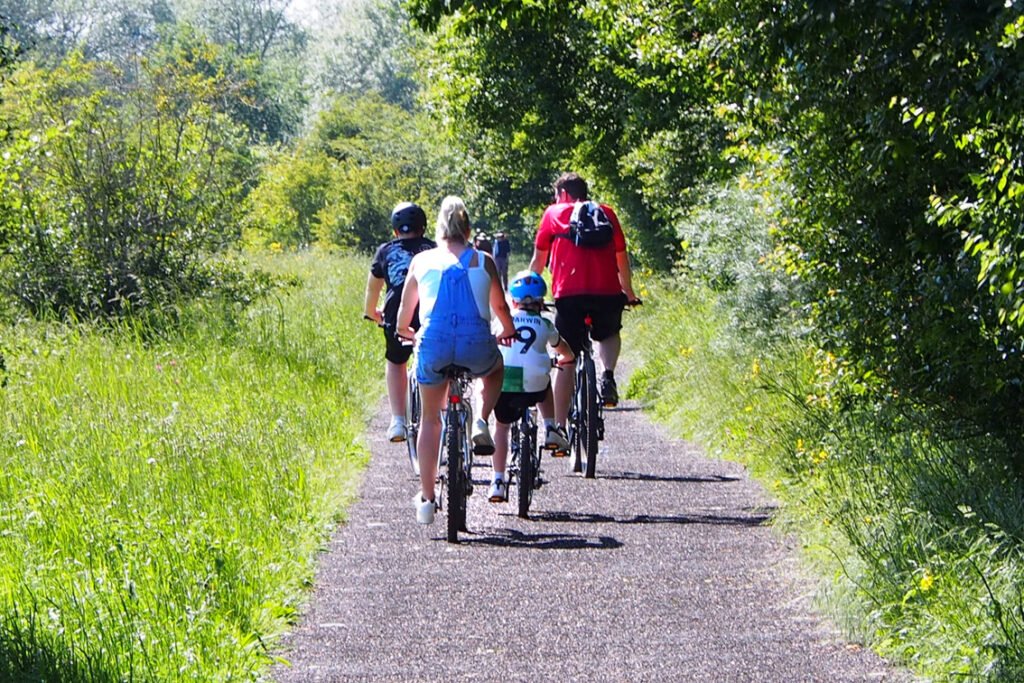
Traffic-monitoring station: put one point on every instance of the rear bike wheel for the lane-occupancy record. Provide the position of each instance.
(412, 421)
(527, 440)
(590, 433)
(456, 491)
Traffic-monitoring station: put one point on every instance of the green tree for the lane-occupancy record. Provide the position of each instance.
(359, 47)
(902, 125)
(362, 156)
(115, 192)
(107, 30)
(286, 207)
(617, 90)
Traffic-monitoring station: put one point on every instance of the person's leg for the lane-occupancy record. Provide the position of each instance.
(433, 397)
(554, 436)
(398, 387)
(569, 323)
(608, 350)
(607, 315)
(490, 389)
(498, 491)
(396, 357)
(564, 386)
(499, 461)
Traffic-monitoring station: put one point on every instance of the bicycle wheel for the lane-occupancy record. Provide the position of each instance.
(456, 492)
(527, 464)
(412, 421)
(576, 425)
(512, 469)
(591, 419)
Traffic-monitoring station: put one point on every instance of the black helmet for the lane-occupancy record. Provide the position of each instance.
(408, 217)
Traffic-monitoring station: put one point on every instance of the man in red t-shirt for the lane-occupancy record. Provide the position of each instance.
(584, 280)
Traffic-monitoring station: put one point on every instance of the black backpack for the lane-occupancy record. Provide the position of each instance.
(589, 225)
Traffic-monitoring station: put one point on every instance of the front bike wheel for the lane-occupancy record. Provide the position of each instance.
(412, 422)
(456, 492)
(576, 426)
(590, 432)
(527, 440)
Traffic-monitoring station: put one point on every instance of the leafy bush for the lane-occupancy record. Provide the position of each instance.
(114, 193)
(919, 535)
(338, 186)
(902, 124)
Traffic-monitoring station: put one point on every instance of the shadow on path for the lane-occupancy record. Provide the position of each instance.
(685, 479)
(755, 519)
(512, 538)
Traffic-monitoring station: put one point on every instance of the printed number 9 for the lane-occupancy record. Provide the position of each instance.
(527, 335)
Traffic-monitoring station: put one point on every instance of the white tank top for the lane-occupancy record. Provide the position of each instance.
(427, 267)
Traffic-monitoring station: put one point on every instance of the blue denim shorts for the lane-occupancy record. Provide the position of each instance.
(476, 350)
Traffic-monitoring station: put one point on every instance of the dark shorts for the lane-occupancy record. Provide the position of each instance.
(512, 406)
(605, 313)
(396, 350)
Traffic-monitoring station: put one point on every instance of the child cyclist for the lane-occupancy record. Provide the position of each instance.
(527, 379)
(389, 267)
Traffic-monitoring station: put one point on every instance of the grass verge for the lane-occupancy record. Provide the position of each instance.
(163, 499)
(918, 541)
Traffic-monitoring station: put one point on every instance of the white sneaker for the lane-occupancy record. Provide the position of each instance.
(397, 432)
(483, 444)
(555, 440)
(498, 492)
(424, 509)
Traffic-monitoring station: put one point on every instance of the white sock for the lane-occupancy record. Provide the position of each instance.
(499, 476)
(549, 422)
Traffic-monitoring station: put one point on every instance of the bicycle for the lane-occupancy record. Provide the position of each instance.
(412, 405)
(586, 413)
(524, 460)
(412, 417)
(455, 475)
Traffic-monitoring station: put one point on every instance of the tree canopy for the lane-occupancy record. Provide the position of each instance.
(894, 130)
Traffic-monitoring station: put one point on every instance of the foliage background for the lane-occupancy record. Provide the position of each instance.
(828, 196)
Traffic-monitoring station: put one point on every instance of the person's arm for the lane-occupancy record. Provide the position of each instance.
(407, 308)
(539, 260)
(625, 274)
(564, 351)
(496, 295)
(374, 285)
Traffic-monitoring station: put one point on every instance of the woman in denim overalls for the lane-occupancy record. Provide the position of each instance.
(456, 288)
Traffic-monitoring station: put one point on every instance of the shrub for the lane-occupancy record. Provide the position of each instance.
(114, 192)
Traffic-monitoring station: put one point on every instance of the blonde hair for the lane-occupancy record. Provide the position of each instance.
(453, 220)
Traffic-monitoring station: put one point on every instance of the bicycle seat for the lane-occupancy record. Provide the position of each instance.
(453, 371)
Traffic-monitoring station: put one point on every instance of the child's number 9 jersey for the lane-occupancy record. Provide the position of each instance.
(527, 363)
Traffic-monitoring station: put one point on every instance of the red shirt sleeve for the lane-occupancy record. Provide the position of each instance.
(547, 230)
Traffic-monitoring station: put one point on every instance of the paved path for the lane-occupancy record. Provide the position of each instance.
(662, 569)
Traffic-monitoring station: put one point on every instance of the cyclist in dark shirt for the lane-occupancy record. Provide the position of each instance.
(389, 268)
(502, 249)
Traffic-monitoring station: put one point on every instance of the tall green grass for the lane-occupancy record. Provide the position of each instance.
(163, 498)
(918, 541)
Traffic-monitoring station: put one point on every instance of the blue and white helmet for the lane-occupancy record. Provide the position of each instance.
(527, 288)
